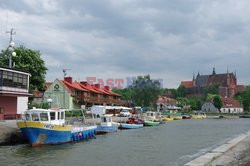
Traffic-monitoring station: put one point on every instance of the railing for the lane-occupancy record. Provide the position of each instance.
(100, 100)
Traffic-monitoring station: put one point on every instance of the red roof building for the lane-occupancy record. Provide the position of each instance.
(227, 82)
(231, 105)
(81, 93)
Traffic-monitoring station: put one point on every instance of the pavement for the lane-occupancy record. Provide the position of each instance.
(233, 153)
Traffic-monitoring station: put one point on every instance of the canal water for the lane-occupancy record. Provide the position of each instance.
(174, 143)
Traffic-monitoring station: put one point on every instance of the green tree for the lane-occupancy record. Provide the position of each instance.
(212, 89)
(217, 102)
(145, 91)
(181, 91)
(28, 60)
(195, 103)
(244, 98)
(125, 93)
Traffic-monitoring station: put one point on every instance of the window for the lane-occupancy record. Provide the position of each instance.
(1, 78)
(44, 117)
(1, 110)
(27, 117)
(13, 79)
(62, 115)
(58, 115)
(52, 116)
(35, 117)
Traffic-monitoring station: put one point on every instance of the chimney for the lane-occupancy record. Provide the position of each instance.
(106, 87)
(68, 79)
(97, 86)
(84, 83)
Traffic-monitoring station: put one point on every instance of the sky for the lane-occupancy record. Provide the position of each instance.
(121, 39)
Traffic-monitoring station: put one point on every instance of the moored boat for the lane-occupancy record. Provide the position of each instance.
(151, 123)
(168, 119)
(42, 126)
(177, 117)
(106, 125)
(130, 126)
(135, 121)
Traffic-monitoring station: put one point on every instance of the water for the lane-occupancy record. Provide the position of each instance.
(174, 143)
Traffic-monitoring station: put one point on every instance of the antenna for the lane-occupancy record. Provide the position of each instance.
(11, 32)
(65, 72)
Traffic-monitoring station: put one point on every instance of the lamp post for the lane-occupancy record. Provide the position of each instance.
(12, 53)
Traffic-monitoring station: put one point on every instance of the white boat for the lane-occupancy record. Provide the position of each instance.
(106, 125)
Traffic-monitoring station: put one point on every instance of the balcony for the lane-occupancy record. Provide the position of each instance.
(99, 100)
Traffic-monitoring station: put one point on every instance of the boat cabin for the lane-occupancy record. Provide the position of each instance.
(151, 114)
(50, 116)
(106, 120)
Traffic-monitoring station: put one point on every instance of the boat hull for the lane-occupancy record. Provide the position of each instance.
(130, 126)
(149, 123)
(106, 129)
(39, 134)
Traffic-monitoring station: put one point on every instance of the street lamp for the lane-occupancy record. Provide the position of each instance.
(11, 49)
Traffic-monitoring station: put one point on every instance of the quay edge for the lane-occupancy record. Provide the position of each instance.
(208, 158)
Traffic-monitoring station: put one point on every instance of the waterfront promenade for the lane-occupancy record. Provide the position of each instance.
(231, 153)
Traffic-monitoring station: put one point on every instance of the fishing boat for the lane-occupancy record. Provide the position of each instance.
(106, 125)
(48, 126)
(151, 123)
(177, 117)
(186, 117)
(135, 121)
(167, 119)
(130, 126)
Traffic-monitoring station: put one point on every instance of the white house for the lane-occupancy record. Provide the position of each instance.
(231, 106)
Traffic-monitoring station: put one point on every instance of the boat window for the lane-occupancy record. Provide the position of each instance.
(35, 117)
(58, 115)
(104, 119)
(52, 115)
(108, 119)
(27, 117)
(62, 115)
(44, 117)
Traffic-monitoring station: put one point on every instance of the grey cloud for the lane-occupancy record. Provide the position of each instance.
(170, 39)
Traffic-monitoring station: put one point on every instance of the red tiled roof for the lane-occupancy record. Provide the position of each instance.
(187, 84)
(230, 103)
(47, 85)
(166, 100)
(111, 93)
(74, 86)
(66, 87)
(89, 88)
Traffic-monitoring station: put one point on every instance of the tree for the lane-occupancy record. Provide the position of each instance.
(28, 60)
(125, 93)
(217, 102)
(244, 98)
(145, 91)
(212, 89)
(181, 91)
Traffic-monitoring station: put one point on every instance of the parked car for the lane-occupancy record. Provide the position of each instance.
(125, 113)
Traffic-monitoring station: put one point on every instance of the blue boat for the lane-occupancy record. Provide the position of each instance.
(130, 126)
(42, 127)
(106, 125)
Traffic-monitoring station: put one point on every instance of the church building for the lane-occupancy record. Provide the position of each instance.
(227, 82)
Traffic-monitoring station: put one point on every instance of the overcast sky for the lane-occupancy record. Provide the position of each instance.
(168, 39)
